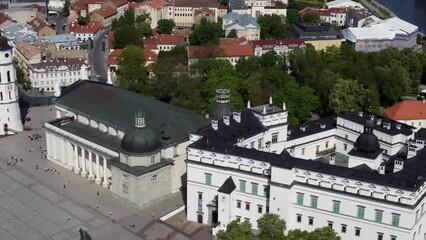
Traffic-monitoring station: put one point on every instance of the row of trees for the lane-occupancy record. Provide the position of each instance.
(271, 227)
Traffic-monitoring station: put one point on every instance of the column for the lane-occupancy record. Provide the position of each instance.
(83, 163)
(91, 176)
(64, 151)
(48, 147)
(76, 167)
(105, 183)
(53, 143)
(70, 153)
(98, 179)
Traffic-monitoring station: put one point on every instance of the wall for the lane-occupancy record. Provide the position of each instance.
(323, 44)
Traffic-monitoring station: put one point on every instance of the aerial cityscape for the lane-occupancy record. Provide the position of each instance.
(212, 119)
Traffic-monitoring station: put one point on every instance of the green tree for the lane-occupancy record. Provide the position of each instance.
(271, 227)
(311, 18)
(144, 29)
(324, 233)
(237, 231)
(297, 234)
(178, 54)
(124, 36)
(205, 33)
(232, 34)
(131, 73)
(66, 8)
(128, 19)
(83, 20)
(272, 26)
(292, 16)
(165, 26)
(347, 95)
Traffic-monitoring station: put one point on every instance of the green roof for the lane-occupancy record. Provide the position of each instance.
(117, 107)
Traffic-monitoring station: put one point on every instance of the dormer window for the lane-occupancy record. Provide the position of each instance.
(152, 159)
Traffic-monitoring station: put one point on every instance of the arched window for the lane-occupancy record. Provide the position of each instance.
(8, 76)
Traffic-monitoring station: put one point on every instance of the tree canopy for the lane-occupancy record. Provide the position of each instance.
(272, 26)
(232, 34)
(66, 8)
(165, 26)
(205, 32)
(311, 18)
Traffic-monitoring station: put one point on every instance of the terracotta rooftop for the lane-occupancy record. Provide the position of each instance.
(39, 8)
(106, 12)
(89, 28)
(196, 3)
(27, 49)
(407, 110)
(164, 39)
(322, 12)
(156, 4)
(271, 43)
(3, 18)
(38, 24)
(112, 57)
(232, 41)
(83, 4)
(135, 4)
(119, 3)
(58, 62)
(204, 10)
(221, 6)
(220, 51)
(148, 54)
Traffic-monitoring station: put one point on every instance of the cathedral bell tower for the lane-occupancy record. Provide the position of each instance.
(10, 115)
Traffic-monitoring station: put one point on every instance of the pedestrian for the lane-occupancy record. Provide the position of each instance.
(68, 218)
(97, 193)
(36, 166)
(22, 160)
(97, 206)
(64, 186)
(110, 213)
(153, 214)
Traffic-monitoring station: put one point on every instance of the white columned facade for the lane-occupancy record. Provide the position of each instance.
(91, 176)
(76, 167)
(70, 158)
(83, 163)
(48, 147)
(64, 152)
(105, 183)
(98, 179)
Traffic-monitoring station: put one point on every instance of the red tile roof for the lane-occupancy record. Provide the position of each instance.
(196, 3)
(112, 57)
(119, 3)
(232, 41)
(148, 54)
(39, 8)
(135, 4)
(221, 6)
(322, 12)
(207, 10)
(156, 4)
(164, 39)
(106, 12)
(3, 18)
(271, 43)
(83, 4)
(407, 110)
(220, 51)
(92, 27)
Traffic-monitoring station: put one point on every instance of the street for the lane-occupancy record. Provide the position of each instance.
(59, 21)
(97, 57)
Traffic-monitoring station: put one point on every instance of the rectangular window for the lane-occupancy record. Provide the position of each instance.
(208, 178)
(345, 146)
(379, 236)
(274, 137)
(343, 228)
(259, 143)
(311, 221)
(299, 218)
(299, 198)
(393, 237)
(238, 204)
(360, 212)
(336, 206)
(303, 151)
(126, 159)
(247, 206)
(259, 209)
(326, 144)
(242, 186)
(314, 202)
(252, 144)
(379, 216)
(254, 188)
(395, 219)
(238, 218)
(330, 224)
(357, 232)
(152, 159)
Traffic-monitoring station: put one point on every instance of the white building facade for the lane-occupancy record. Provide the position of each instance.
(359, 173)
(10, 114)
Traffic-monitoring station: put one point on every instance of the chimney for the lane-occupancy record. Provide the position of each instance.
(284, 107)
(215, 125)
(332, 160)
(226, 119)
(237, 116)
(398, 165)
(424, 101)
(222, 96)
(398, 126)
(248, 104)
(264, 110)
(360, 113)
(382, 169)
(270, 100)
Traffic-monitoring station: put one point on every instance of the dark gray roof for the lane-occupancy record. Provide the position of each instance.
(228, 186)
(117, 107)
(139, 170)
(71, 63)
(242, 19)
(3, 44)
(236, 5)
(140, 140)
(314, 31)
(218, 110)
(312, 127)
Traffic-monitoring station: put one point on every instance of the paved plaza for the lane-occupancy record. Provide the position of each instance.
(54, 205)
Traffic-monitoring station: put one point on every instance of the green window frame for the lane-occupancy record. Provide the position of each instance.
(379, 216)
(254, 187)
(395, 219)
(361, 212)
(336, 206)
(314, 202)
(208, 178)
(242, 186)
(300, 199)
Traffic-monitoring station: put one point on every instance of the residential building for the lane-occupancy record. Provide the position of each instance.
(62, 41)
(27, 54)
(10, 113)
(5, 21)
(183, 11)
(156, 9)
(233, 41)
(163, 42)
(149, 52)
(56, 4)
(392, 32)
(345, 4)
(64, 71)
(256, 8)
(232, 53)
(83, 8)
(222, 10)
(280, 46)
(330, 15)
(104, 16)
(244, 24)
(361, 174)
(122, 140)
(22, 15)
(204, 12)
(41, 27)
(409, 112)
(320, 36)
(18, 33)
(112, 60)
(84, 33)
(119, 5)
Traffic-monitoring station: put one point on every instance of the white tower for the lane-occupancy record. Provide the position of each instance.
(10, 115)
(84, 75)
